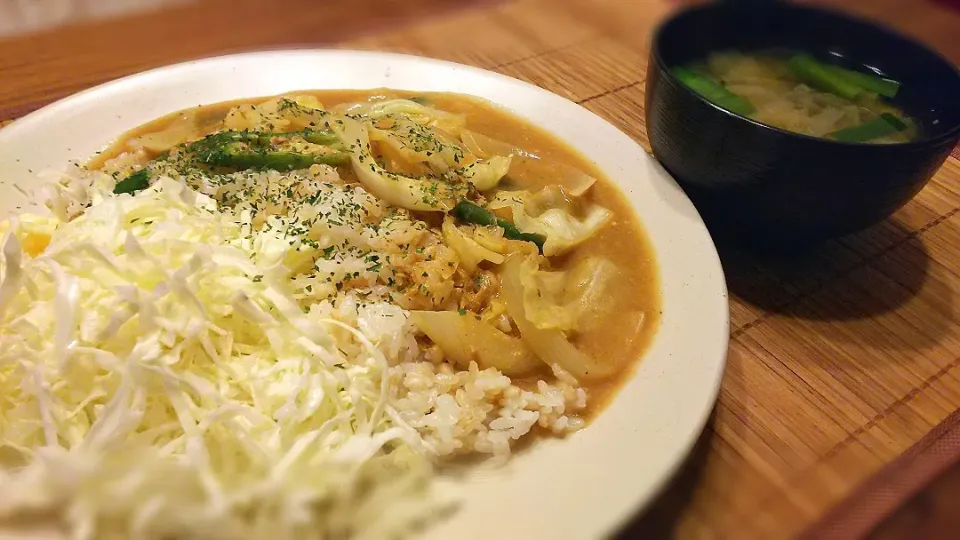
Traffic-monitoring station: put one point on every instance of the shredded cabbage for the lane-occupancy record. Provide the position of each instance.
(158, 380)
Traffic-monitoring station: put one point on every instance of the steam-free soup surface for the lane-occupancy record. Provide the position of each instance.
(797, 92)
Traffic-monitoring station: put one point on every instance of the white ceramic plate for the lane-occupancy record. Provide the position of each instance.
(582, 487)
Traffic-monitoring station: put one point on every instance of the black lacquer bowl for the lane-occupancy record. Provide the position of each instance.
(767, 186)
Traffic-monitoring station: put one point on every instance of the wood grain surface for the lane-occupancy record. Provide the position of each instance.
(913, 497)
(840, 359)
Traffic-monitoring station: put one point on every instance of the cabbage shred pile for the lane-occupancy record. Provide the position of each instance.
(158, 380)
(254, 333)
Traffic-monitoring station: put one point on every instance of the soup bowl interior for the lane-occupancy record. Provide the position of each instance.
(769, 185)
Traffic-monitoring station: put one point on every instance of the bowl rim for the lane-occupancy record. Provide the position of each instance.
(951, 134)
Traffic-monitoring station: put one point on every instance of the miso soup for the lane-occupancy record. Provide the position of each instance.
(797, 92)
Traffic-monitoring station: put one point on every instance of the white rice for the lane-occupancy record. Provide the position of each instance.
(462, 412)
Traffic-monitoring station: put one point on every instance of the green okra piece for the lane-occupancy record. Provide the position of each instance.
(472, 213)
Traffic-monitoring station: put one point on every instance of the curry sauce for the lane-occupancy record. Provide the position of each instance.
(631, 316)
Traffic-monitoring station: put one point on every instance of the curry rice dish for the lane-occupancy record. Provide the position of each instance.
(285, 316)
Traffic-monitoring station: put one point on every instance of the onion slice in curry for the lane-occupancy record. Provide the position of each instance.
(463, 339)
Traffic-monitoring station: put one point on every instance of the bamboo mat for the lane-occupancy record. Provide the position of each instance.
(839, 361)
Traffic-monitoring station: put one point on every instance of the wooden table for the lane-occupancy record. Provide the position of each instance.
(840, 361)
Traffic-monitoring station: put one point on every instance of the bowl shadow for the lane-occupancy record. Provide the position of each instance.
(880, 293)
(780, 281)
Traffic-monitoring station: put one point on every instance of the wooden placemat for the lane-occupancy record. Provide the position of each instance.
(889, 504)
(839, 361)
